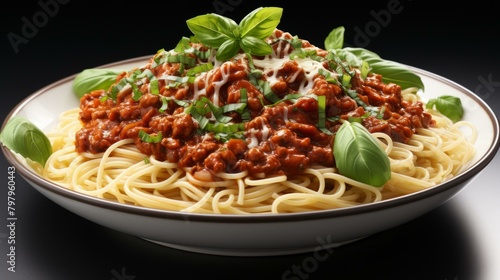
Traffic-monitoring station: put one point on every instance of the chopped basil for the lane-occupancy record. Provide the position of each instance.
(149, 138)
(222, 125)
(322, 114)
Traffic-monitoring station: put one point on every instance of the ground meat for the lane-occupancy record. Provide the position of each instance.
(278, 137)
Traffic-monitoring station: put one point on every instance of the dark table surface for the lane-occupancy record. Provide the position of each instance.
(48, 40)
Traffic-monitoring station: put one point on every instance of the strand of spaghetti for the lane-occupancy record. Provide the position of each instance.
(135, 181)
(408, 184)
(311, 197)
(172, 202)
(453, 143)
(318, 175)
(217, 204)
(465, 159)
(117, 168)
(185, 192)
(90, 155)
(351, 196)
(163, 164)
(302, 199)
(323, 169)
(94, 166)
(387, 143)
(300, 187)
(83, 171)
(439, 160)
(169, 169)
(167, 183)
(153, 183)
(106, 155)
(270, 180)
(421, 173)
(401, 155)
(228, 207)
(56, 167)
(130, 152)
(370, 196)
(402, 160)
(194, 181)
(301, 180)
(145, 199)
(470, 126)
(205, 199)
(260, 194)
(376, 191)
(339, 189)
(190, 192)
(428, 137)
(440, 119)
(410, 91)
(412, 145)
(232, 176)
(241, 191)
(339, 186)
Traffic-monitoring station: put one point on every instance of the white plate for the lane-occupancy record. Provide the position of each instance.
(264, 234)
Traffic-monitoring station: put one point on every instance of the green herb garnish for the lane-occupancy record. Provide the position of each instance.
(23, 137)
(450, 106)
(150, 138)
(364, 59)
(94, 79)
(228, 37)
(359, 156)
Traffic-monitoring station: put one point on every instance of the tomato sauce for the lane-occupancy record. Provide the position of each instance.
(278, 138)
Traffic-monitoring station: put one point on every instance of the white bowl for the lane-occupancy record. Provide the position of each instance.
(255, 235)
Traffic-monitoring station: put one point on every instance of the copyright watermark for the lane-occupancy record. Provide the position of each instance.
(121, 275)
(30, 26)
(11, 219)
(377, 21)
(311, 263)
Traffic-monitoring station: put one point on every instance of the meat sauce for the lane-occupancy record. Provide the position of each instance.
(278, 138)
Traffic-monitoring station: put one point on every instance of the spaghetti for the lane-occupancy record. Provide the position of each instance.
(184, 142)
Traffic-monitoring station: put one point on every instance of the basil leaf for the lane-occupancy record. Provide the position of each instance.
(227, 50)
(356, 57)
(255, 46)
(391, 71)
(228, 37)
(261, 22)
(450, 106)
(362, 53)
(212, 29)
(93, 79)
(359, 156)
(335, 40)
(24, 138)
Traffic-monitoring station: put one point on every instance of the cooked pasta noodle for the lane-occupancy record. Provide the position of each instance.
(126, 175)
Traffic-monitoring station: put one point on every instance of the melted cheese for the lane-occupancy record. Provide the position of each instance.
(253, 141)
(272, 63)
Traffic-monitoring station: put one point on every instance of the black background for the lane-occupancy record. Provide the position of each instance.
(44, 41)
